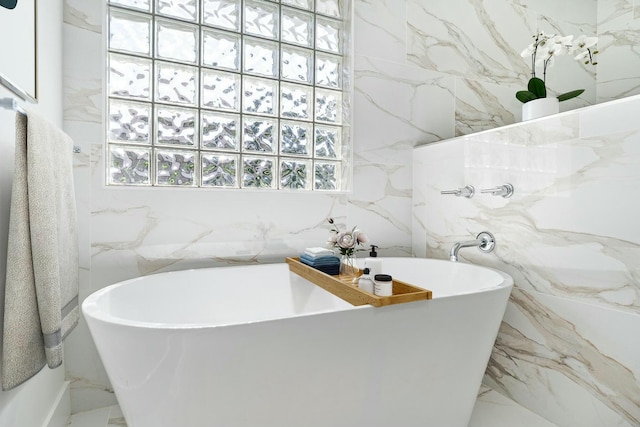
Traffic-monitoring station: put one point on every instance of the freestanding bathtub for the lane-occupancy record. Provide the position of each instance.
(258, 346)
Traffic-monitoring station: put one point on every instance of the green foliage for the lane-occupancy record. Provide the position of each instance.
(537, 89)
(570, 95)
(525, 96)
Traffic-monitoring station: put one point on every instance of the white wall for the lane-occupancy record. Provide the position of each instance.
(619, 59)
(32, 403)
(568, 346)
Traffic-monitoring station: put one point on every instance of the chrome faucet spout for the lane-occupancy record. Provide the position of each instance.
(453, 254)
(485, 242)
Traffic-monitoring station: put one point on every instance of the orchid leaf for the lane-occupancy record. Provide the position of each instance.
(570, 95)
(525, 96)
(538, 87)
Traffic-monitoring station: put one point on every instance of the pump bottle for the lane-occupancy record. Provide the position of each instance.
(365, 282)
(372, 262)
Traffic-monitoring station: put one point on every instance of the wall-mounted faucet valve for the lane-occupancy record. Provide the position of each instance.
(505, 190)
(467, 192)
(485, 242)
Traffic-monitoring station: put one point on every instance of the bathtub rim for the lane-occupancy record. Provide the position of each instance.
(91, 309)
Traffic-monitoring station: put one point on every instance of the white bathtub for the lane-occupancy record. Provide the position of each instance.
(257, 346)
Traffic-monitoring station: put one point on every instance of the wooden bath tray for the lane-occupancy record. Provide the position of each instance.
(341, 287)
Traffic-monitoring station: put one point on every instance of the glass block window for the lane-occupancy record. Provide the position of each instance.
(229, 94)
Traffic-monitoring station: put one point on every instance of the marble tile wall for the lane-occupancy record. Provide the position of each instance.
(421, 74)
(568, 347)
(479, 43)
(619, 58)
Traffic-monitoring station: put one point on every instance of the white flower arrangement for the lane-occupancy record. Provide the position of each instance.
(345, 241)
(543, 50)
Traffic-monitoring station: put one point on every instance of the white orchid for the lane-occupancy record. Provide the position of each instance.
(543, 50)
(584, 42)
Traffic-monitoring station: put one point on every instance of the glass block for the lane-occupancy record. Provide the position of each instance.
(129, 32)
(261, 18)
(144, 5)
(220, 131)
(304, 4)
(222, 13)
(329, 7)
(258, 172)
(295, 174)
(221, 49)
(129, 122)
(183, 9)
(260, 57)
(297, 27)
(327, 176)
(259, 96)
(129, 76)
(176, 41)
(175, 168)
(297, 64)
(295, 101)
(328, 70)
(220, 90)
(219, 170)
(328, 106)
(129, 165)
(176, 126)
(259, 134)
(295, 138)
(328, 35)
(328, 142)
(176, 83)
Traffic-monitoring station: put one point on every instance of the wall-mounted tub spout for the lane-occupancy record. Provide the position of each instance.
(484, 242)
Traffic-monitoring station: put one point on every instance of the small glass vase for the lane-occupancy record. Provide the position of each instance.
(348, 265)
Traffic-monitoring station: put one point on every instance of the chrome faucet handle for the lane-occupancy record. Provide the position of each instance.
(467, 191)
(505, 190)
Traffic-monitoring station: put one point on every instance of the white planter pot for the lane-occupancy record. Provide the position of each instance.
(539, 108)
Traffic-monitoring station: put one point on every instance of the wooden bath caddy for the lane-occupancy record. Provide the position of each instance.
(341, 287)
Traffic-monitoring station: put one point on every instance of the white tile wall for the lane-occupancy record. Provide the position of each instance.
(568, 347)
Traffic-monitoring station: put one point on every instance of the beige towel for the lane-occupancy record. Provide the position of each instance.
(41, 295)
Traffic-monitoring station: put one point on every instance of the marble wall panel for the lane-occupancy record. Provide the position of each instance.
(573, 362)
(482, 105)
(380, 29)
(476, 39)
(479, 42)
(397, 107)
(575, 11)
(567, 347)
(619, 59)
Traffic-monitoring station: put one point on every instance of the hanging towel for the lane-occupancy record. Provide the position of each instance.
(41, 293)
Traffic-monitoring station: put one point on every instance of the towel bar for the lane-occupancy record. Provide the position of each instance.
(12, 104)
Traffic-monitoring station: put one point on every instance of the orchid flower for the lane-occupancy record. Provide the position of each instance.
(544, 49)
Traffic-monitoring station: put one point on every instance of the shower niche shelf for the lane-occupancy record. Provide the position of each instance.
(341, 287)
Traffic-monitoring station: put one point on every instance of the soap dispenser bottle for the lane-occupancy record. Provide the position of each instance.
(372, 262)
(365, 283)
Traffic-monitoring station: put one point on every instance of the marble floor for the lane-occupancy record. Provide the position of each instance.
(492, 410)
